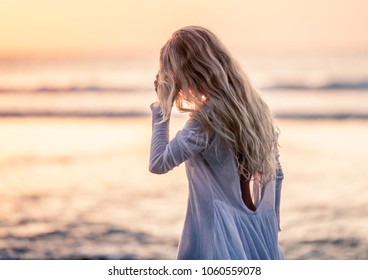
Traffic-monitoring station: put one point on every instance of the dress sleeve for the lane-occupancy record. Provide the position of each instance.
(165, 154)
(279, 179)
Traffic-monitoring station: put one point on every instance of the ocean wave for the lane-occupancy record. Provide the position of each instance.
(334, 85)
(75, 89)
(137, 114)
(325, 116)
(73, 114)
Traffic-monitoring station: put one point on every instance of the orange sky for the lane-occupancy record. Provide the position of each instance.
(125, 26)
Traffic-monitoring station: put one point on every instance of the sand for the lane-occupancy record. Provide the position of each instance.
(80, 189)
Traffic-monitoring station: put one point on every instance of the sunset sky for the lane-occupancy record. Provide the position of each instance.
(33, 27)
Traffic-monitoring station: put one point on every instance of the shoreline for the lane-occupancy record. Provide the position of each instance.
(80, 189)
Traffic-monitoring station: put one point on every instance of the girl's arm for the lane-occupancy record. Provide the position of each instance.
(165, 154)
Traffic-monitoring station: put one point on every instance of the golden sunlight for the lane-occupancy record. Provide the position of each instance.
(81, 26)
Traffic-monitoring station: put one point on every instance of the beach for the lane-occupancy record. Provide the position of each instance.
(75, 137)
(79, 188)
(77, 79)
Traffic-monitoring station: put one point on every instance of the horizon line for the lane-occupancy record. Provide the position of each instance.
(151, 53)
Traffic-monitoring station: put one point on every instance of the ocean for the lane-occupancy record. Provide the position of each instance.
(75, 139)
(310, 86)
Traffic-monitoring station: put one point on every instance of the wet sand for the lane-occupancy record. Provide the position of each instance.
(80, 189)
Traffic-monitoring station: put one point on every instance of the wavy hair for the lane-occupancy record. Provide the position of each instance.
(197, 70)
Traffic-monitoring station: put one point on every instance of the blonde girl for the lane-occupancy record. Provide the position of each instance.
(229, 146)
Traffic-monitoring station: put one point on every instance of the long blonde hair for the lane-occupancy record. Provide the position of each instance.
(196, 69)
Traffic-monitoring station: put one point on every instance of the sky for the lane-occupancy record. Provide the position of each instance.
(118, 27)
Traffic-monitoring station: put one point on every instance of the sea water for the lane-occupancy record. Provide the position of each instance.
(304, 86)
(75, 135)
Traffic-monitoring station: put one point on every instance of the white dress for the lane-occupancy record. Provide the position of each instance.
(218, 225)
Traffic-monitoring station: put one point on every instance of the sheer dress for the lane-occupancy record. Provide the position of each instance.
(218, 225)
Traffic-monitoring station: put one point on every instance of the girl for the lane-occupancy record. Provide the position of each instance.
(229, 142)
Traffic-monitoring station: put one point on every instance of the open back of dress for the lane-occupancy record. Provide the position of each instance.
(217, 224)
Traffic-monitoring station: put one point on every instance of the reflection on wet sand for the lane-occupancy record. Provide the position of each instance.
(80, 189)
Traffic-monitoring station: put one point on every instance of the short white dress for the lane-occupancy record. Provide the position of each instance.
(217, 225)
